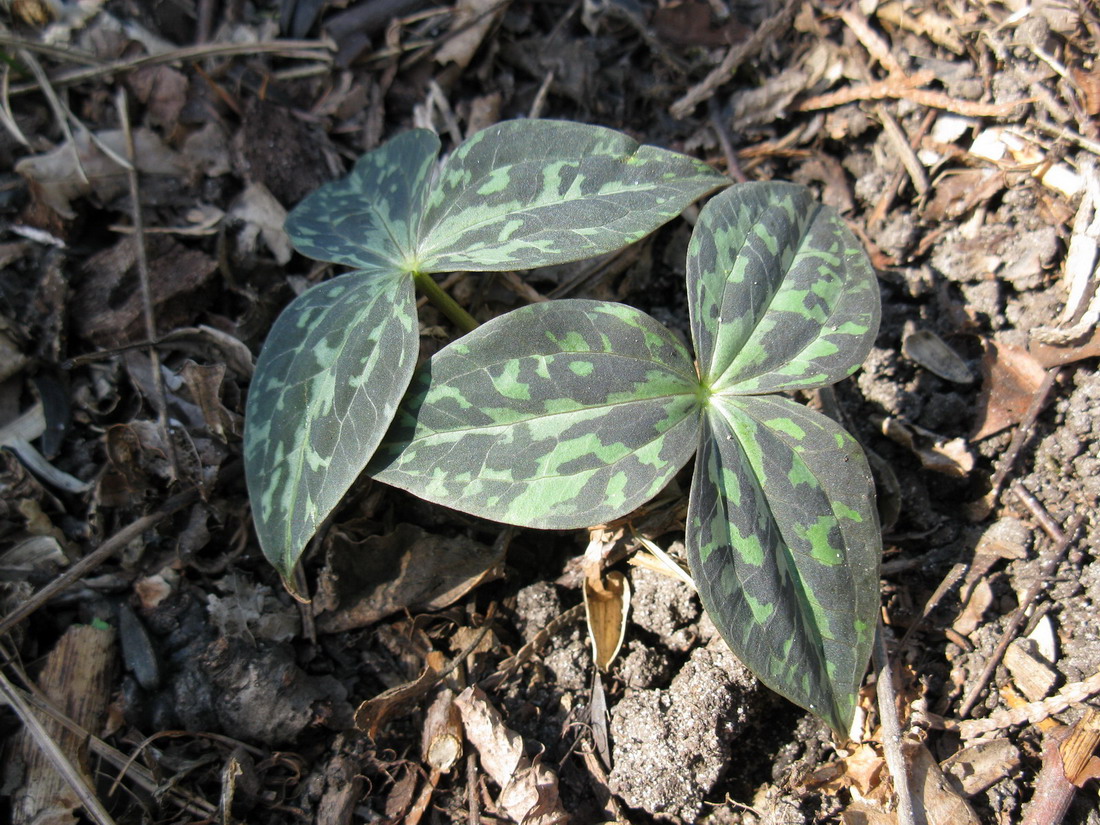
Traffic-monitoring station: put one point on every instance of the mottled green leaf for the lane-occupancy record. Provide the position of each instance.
(527, 193)
(561, 415)
(327, 384)
(783, 542)
(782, 295)
(518, 195)
(369, 220)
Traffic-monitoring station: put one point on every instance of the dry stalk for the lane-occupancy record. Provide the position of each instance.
(321, 50)
(143, 280)
(908, 813)
(73, 777)
(90, 562)
(738, 54)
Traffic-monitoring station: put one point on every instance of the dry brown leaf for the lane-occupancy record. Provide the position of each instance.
(931, 790)
(951, 457)
(263, 217)
(864, 768)
(207, 150)
(107, 308)
(863, 813)
(1089, 83)
(163, 92)
(373, 713)
(401, 795)
(471, 22)
(529, 790)
(138, 453)
(981, 597)
(1010, 379)
(205, 384)
(606, 604)
(957, 191)
(57, 179)
(408, 569)
(691, 24)
(225, 348)
(1058, 355)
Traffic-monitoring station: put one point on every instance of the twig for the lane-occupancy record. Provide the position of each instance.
(1031, 713)
(1047, 570)
(1067, 753)
(539, 103)
(111, 546)
(1023, 430)
(473, 809)
(204, 21)
(49, 747)
(882, 206)
(737, 55)
(875, 45)
(143, 280)
(62, 54)
(1065, 133)
(949, 581)
(138, 774)
(1035, 507)
(7, 116)
(891, 732)
(295, 49)
(907, 88)
(369, 18)
(59, 111)
(733, 166)
(909, 159)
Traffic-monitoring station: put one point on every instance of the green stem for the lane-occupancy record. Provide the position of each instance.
(444, 302)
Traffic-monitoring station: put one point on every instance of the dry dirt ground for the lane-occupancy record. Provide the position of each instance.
(959, 139)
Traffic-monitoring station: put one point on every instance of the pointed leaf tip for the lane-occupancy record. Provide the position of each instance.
(782, 295)
(370, 218)
(784, 544)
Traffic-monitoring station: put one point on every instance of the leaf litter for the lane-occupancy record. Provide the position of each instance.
(959, 142)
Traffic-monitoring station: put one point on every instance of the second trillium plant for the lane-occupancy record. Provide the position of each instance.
(571, 413)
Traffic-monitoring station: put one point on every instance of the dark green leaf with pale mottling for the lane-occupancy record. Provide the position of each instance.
(518, 195)
(326, 386)
(561, 415)
(527, 193)
(782, 295)
(369, 220)
(783, 543)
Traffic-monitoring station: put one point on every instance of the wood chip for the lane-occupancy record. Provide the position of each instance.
(1033, 675)
(77, 679)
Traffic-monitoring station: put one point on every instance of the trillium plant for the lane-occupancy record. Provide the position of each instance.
(571, 413)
